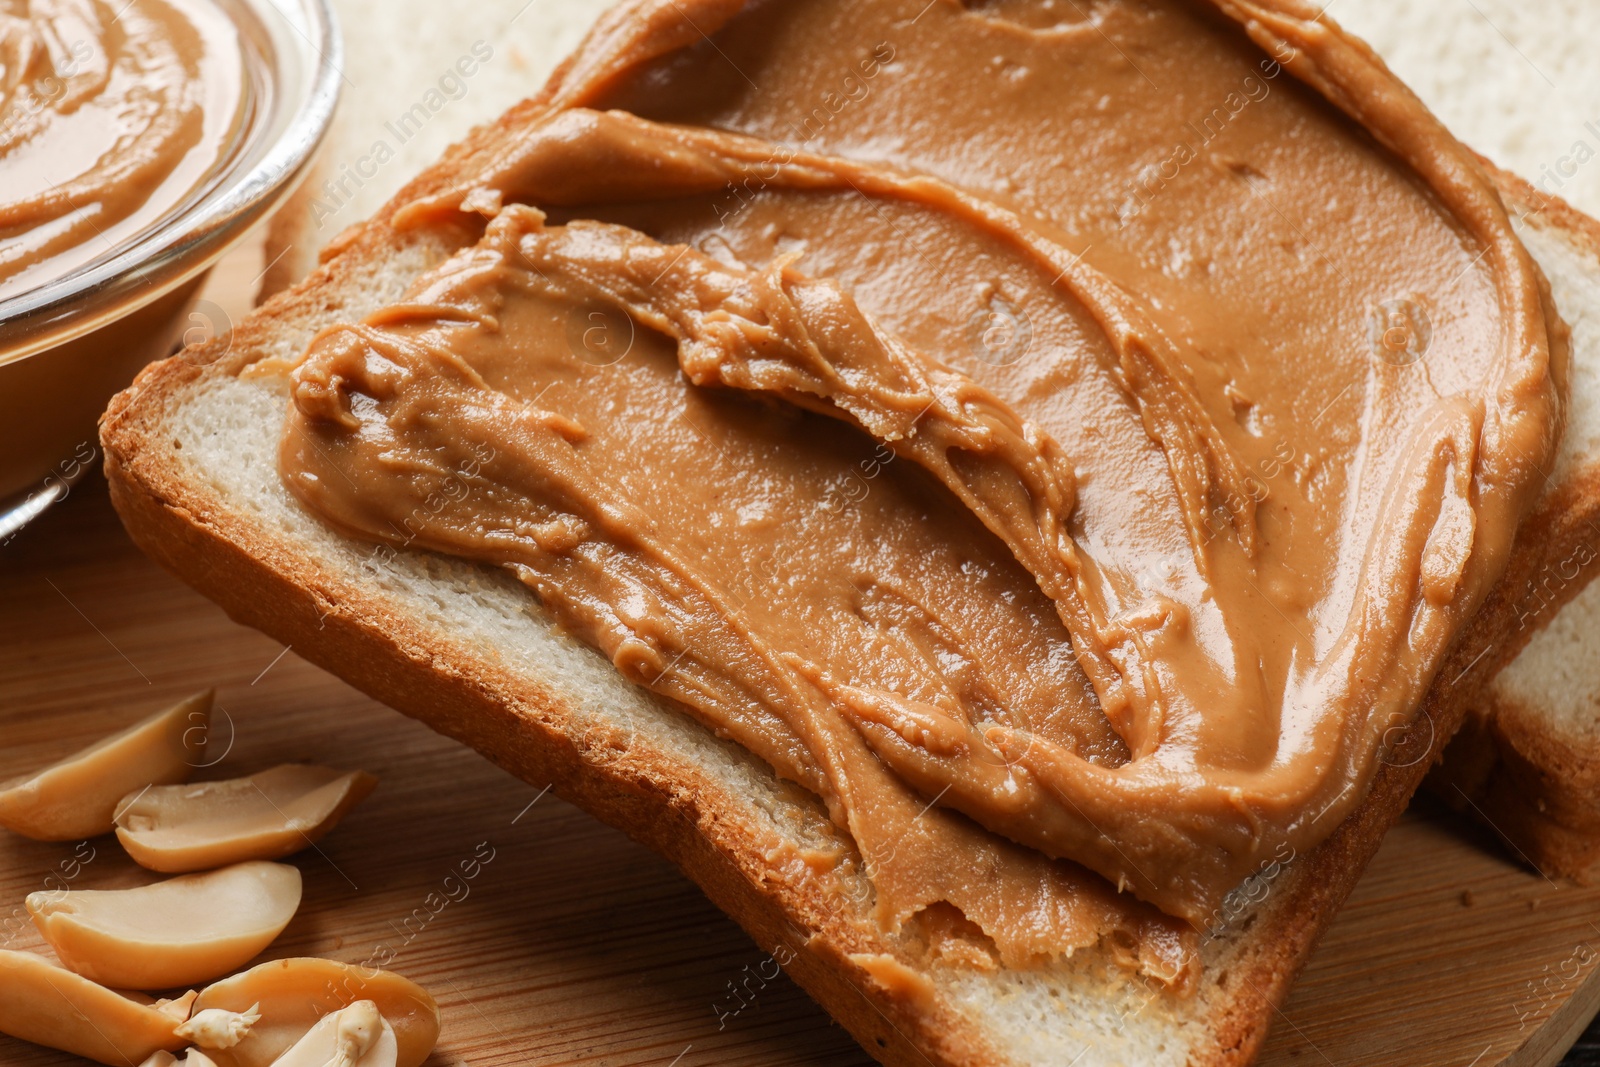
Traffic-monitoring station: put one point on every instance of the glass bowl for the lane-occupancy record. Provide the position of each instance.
(67, 345)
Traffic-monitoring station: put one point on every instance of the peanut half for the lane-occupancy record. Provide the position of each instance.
(179, 932)
(266, 816)
(77, 797)
(50, 1006)
(293, 995)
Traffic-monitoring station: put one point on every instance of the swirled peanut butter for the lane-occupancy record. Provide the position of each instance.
(112, 112)
(1064, 438)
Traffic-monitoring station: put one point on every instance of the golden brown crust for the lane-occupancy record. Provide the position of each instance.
(191, 530)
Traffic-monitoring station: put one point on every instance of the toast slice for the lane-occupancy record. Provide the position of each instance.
(191, 457)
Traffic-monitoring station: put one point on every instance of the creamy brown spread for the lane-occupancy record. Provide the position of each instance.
(112, 113)
(1066, 438)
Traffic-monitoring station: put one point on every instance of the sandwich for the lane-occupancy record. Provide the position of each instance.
(991, 493)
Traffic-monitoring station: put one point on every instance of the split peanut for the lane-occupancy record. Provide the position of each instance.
(266, 816)
(179, 932)
(196, 926)
(77, 797)
(294, 994)
(51, 1006)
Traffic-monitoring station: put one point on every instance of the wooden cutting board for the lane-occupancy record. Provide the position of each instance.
(571, 945)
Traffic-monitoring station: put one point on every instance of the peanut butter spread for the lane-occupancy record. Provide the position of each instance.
(1064, 437)
(112, 112)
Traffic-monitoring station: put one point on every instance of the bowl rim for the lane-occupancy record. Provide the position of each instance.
(179, 247)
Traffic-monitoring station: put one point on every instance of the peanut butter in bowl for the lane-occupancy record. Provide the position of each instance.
(113, 116)
(139, 140)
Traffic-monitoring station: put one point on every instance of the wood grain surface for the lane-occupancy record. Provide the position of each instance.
(571, 945)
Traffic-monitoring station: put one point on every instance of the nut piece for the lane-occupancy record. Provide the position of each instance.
(360, 1026)
(216, 1028)
(174, 933)
(294, 994)
(267, 816)
(77, 797)
(357, 1036)
(49, 1006)
(160, 1059)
